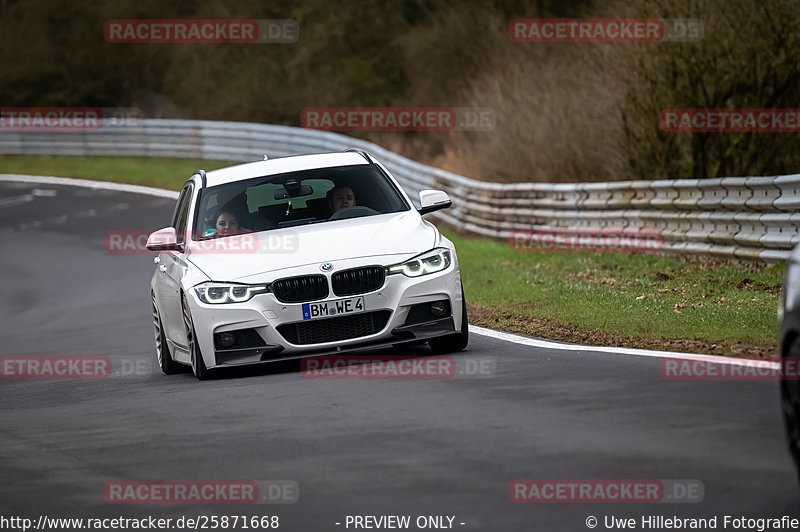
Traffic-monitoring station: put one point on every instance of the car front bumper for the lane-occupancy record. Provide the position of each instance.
(389, 308)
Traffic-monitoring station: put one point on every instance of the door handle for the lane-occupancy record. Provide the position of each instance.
(163, 268)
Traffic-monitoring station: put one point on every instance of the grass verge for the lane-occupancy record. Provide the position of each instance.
(151, 172)
(631, 300)
(649, 301)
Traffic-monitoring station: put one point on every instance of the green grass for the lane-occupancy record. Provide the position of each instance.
(161, 173)
(641, 298)
(659, 302)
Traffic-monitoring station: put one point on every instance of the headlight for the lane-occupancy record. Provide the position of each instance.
(433, 261)
(218, 293)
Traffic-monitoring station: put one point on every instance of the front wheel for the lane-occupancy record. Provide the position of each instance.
(198, 365)
(165, 362)
(453, 342)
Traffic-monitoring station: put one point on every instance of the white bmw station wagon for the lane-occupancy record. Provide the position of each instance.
(301, 256)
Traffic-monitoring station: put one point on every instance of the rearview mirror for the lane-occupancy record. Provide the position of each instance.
(433, 200)
(163, 240)
(292, 189)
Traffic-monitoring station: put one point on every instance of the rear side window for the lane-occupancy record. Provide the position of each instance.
(178, 204)
(183, 214)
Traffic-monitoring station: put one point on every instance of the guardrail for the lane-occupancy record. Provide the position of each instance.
(751, 218)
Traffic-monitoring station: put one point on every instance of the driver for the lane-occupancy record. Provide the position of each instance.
(341, 197)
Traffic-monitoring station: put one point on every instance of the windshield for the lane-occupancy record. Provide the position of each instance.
(296, 198)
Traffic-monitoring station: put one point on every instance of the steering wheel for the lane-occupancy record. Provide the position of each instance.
(352, 212)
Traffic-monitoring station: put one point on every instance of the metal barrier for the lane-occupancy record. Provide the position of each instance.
(752, 218)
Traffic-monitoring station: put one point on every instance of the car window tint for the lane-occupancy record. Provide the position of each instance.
(183, 215)
(181, 199)
(253, 201)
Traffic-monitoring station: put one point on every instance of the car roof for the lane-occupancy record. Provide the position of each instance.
(282, 165)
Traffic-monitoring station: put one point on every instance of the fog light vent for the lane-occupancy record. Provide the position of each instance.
(439, 308)
(225, 339)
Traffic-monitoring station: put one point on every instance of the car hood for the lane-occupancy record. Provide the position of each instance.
(260, 257)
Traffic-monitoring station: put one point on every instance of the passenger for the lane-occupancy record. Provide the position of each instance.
(341, 197)
(227, 224)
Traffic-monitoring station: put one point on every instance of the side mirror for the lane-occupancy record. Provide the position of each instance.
(433, 200)
(163, 240)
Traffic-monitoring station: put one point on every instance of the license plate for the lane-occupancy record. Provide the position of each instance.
(350, 305)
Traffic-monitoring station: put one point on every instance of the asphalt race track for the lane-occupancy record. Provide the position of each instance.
(354, 446)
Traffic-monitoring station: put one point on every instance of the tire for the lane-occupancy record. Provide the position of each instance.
(164, 357)
(198, 365)
(790, 405)
(453, 342)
